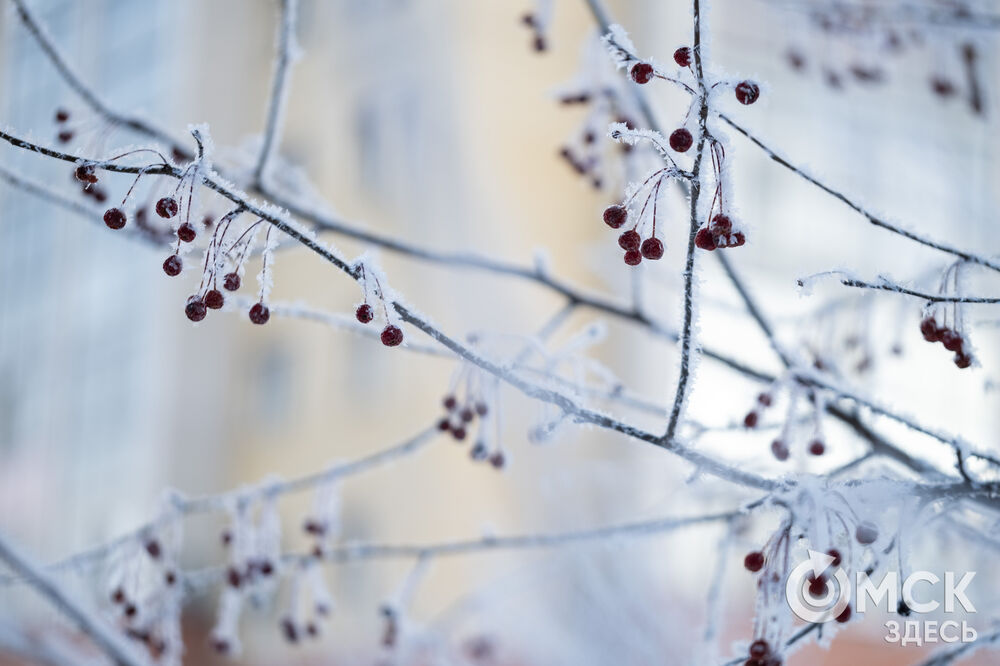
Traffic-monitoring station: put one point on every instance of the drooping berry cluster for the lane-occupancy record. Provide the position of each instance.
(631, 240)
(469, 400)
(371, 287)
(951, 338)
(780, 449)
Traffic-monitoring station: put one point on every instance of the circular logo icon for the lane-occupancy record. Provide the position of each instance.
(800, 592)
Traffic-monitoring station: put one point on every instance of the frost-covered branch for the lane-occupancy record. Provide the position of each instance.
(884, 285)
(285, 56)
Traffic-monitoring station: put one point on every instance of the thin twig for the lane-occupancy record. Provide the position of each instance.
(284, 57)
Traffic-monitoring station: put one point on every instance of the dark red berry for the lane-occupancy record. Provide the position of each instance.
(780, 450)
(963, 360)
(754, 561)
(747, 92)
(130, 610)
(737, 239)
(65, 136)
(231, 282)
(100, 196)
(652, 248)
(633, 257)
(153, 548)
(114, 218)
(118, 596)
(170, 578)
(845, 615)
(166, 207)
(259, 314)
(85, 173)
(450, 402)
(539, 43)
(642, 72)
(62, 115)
(866, 533)
(186, 232)
(721, 224)
(220, 645)
(458, 433)
(172, 265)
(482, 409)
(615, 216)
(765, 399)
(467, 415)
(835, 554)
(759, 649)
(681, 140)
(266, 568)
(444, 425)
(630, 240)
(195, 309)
(930, 330)
(952, 340)
(498, 460)
(364, 313)
(682, 56)
(208, 221)
(214, 299)
(750, 420)
(816, 447)
(233, 577)
(704, 239)
(392, 336)
(290, 631)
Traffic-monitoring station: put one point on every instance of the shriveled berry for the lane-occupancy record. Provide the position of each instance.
(214, 299)
(704, 239)
(615, 216)
(231, 281)
(816, 447)
(866, 533)
(754, 561)
(747, 92)
(721, 224)
(364, 313)
(630, 240)
(186, 232)
(166, 207)
(633, 257)
(195, 309)
(392, 336)
(114, 218)
(750, 420)
(780, 450)
(682, 56)
(930, 330)
(652, 248)
(681, 140)
(952, 340)
(172, 265)
(642, 72)
(85, 173)
(259, 314)
(759, 649)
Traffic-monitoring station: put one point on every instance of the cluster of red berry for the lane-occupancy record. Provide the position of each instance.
(459, 418)
(65, 133)
(392, 335)
(719, 234)
(631, 240)
(761, 655)
(138, 627)
(952, 339)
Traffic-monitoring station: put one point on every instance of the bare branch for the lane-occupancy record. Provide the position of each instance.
(285, 55)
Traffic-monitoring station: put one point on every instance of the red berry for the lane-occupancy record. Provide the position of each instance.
(835, 554)
(765, 399)
(754, 561)
(780, 450)
(759, 649)
(153, 548)
(170, 577)
(450, 402)
(166, 207)
(750, 420)
(364, 313)
(195, 309)
(497, 460)
(118, 596)
(214, 299)
(186, 232)
(629, 240)
(737, 239)
(642, 72)
(866, 533)
(458, 433)
(816, 447)
(681, 140)
(747, 92)
(963, 360)
(85, 173)
(682, 56)
(231, 282)
(114, 218)
(233, 577)
(721, 224)
(392, 336)
(930, 330)
(704, 239)
(615, 216)
(62, 115)
(65, 136)
(467, 415)
(633, 257)
(482, 409)
(172, 265)
(259, 314)
(539, 43)
(952, 340)
(444, 425)
(652, 248)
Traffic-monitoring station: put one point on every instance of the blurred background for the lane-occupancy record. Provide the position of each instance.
(437, 122)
